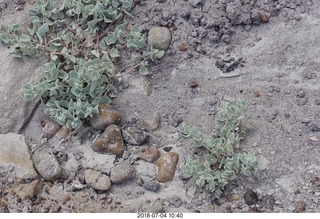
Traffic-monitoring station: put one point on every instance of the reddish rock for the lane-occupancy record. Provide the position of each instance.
(107, 116)
(110, 141)
(167, 166)
(264, 18)
(151, 154)
(50, 128)
(65, 198)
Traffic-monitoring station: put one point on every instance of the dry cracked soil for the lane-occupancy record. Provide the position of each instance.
(262, 51)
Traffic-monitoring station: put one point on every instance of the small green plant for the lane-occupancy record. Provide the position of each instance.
(84, 41)
(223, 160)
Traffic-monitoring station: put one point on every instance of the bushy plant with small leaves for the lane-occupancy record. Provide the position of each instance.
(83, 40)
(223, 160)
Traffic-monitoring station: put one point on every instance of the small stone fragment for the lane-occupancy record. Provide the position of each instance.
(19, 2)
(28, 190)
(235, 197)
(264, 19)
(317, 101)
(193, 84)
(110, 141)
(159, 37)
(14, 155)
(47, 166)
(152, 185)
(194, 3)
(63, 132)
(175, 200)
(302, 101)
(50, 128)
(107, 116)
(300, 207)
(122, 172)
(134, 135)
(301, 94)
(65, 198)
(167, 166)
(151, 154)
(250, 197)
(270, 202)
(314, 138)
(314, 127)
(97, 180)
(182, 47)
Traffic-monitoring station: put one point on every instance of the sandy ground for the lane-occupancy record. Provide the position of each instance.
(279, 82)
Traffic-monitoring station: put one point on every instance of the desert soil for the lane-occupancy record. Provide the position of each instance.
(278, 43)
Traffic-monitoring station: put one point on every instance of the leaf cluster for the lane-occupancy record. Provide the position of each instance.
(83, 41)
(223, 161)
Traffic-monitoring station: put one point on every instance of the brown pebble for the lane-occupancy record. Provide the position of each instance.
(264, 18)
(257, 93)
(63, 132)
(182, 47)
(151, 154)
(50, 128)
(300, 207)
(65, 198)
(167, 166)
(109, 200)
(314, 181)
(193, 83)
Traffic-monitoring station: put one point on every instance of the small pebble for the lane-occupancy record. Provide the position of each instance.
(302, 101)
(300, 207)
(250, 197)
(65, 198)
(264, 19)
(301, 94)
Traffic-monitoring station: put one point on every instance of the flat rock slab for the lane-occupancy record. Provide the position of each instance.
(14, 74)
(14, 156)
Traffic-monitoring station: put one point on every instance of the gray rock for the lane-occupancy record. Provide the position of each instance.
(97, 180)
(122, 172)
(250, 197)
(301, 93)
(286, 183)
(302, 101)
(159, 37)
(194, 3)
(134, 135)
(14, 156)
(47, 166)
(152, 185)
(175, 200)
(19, 2)
(15, 73)
(110, 141)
